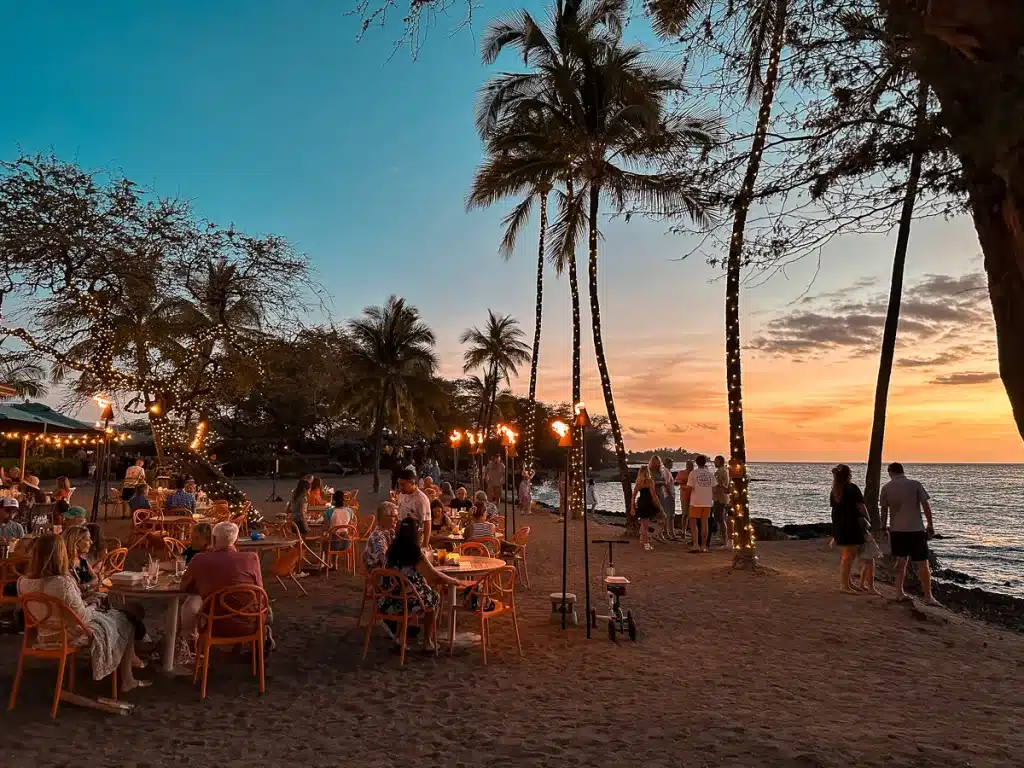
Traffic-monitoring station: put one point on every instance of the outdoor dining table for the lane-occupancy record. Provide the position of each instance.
(468, 565)
(168, 590)
(171, 519)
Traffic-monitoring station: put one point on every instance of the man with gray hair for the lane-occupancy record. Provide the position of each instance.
(223, 566)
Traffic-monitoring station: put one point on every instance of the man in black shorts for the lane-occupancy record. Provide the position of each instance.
(905, 498)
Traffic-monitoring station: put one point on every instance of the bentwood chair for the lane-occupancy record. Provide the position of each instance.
(112, 562)
(519, 541)
(474, 548)
(66, 635)
(495, 597)
(333, 554)
(174, 547)
(387, 583)
(142, 529)
(286, 563)
(231, 607)
(492, 543)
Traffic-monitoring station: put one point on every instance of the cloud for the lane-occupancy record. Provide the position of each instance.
(936, 308)
(965, 377)
(689, 427)
(956, 354)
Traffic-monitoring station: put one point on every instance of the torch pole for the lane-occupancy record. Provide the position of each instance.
(586, 541)
(565, 535)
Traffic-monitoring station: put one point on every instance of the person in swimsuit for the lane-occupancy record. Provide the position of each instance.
(646, 505)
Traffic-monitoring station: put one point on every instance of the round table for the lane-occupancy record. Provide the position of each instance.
(264, 544)
(167, 589)
(469, 565)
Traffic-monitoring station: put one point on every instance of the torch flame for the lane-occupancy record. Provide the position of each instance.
(455, 436)
(561, 428)
(579, 407)
(472, 438)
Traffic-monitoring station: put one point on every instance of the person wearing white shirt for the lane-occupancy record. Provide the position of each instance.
(412, 502)
(702, 483)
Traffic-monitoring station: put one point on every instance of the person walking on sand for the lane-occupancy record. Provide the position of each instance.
(591, 496)
(684, 496)
(720, 502)
(646, 505)
(670, 501)
(495, 478)
(848, 508)
(701, 483)
(902, 500)
(662, 482)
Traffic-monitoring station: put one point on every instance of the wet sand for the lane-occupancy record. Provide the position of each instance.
(731, 669)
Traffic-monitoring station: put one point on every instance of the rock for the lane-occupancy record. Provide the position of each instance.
(765, 530)
(948, 574)
(808, 530)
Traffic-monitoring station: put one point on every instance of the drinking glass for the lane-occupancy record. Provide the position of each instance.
(179, 567)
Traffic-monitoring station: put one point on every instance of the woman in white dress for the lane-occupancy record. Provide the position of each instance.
(112, 644)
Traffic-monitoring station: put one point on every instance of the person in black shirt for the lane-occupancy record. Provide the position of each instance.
(848, 509)
(461, 501)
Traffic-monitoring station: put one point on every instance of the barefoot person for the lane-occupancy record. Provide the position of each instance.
(720, 496)
(495, 479)
(662, 484)
(646, 505)
(847, 504)
(682, 477)
(902, 500)
(701, 483)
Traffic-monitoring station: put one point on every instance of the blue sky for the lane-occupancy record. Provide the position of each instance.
(270, 115)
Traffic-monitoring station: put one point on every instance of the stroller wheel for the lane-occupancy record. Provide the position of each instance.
(631, 626)
(611, 630)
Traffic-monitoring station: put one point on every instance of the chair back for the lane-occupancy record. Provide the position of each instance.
(8, 575)
(491, 543)
(498, 585)
(48, 615)
(113, 562)
(472, 548)
(231, 604)
(346, 532)
(111, 543)
(290, 530)
(286, 561)
(364, 533)
(497, 521)
(178, 512)
(389, 583)
(139, 517)
(174, 547)
(520, 537)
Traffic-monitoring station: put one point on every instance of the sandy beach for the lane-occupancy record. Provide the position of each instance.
(731, 669)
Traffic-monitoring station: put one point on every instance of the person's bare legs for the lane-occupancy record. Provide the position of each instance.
(125, 670)
(645, 539)
(867, 577)
(845, 567)
(901, 575)
(429, 630)
(924, 573)
(695, 533)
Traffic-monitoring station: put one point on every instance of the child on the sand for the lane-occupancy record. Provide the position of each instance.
(866, 553)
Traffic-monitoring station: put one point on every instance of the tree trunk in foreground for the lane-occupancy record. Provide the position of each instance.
(743, 539)
(378, 438)
(873, 479)
(602, 362)
(969, 53)
(574, 486)
(531, 412)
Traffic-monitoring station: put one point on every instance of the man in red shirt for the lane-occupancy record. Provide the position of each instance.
(222, 566)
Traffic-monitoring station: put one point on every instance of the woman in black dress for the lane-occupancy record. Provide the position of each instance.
(847, 529)
(646, 504)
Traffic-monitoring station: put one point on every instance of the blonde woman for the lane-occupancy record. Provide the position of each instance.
(646, 504)
(662, 486)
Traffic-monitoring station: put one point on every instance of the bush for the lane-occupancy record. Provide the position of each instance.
(47, 467)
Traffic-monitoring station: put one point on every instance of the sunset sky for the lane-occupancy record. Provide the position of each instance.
(268, 114)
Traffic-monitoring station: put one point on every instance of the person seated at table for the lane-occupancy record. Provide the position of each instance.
(63, 491)
(78, 542)
(10, 529)
(478, 525)
(200, 540)
(298, 506)
(114, 632)
(140, 499)
(339, 514)
(74, 517)
(180, 499)
(375, 555)
(190, 487)
(222, 566)
(428, 483)
(461, 502)
(315, 494)
(30, 490)
(446, 496)
(439, 521)
(480, 501)
(406, 557)
(13, 478)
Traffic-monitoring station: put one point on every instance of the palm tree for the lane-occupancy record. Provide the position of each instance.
(873, 479)
(499, 349)
(765, 27)
(392, 365)
(22, 372)
(593, 112)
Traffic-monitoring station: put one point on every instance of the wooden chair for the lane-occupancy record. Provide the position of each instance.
(364, 533)
(286, 562)
(492, 544)
(113, 562)
(518, 557)
(473, 548)
(495, 597)
(349, 533)
(174, 547)
(398, 587)
(44, 611)
(111, 543)
(498, 522)
(9, 574)
(367, 589)
(113, 500)
(142, 529)
(181, 531)
(242, 602)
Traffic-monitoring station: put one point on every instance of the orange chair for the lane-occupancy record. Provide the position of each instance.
(397, 587)
(182, 531)
(519, 540)
(498, 522)
(364, 533)
(286, 562)
(141, 528)
(111, 543)
(113, 562)
(473, 548)
(367, 589)
(496, 597)
(45, 611)
(349, 533)
(9, 575)
(241, 603)
(492, 544)
(174, 547)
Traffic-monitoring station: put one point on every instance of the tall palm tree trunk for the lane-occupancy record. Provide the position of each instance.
(873, 480)
(378, 439)
(575, 485)
(531, 406)
(744, 538)
(602, 362)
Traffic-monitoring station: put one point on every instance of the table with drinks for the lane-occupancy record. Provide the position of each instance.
(160, 581)
(459, 567)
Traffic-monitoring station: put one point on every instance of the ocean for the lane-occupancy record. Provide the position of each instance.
(978, 510)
